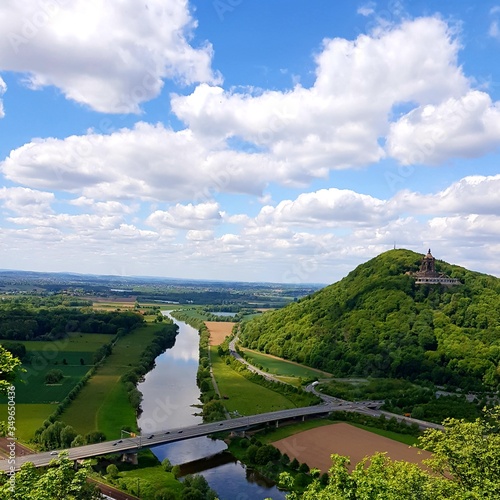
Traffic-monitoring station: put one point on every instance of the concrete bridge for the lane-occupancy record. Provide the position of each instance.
(132, 445)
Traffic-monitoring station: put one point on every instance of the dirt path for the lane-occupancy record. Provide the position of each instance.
(21, 449)
(315, 446)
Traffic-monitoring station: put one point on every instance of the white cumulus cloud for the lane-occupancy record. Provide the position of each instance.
(21, 200)
(337, 123)
(111, 56)
(186, 216)
(328, 207)
(468, 126)
(147, 162)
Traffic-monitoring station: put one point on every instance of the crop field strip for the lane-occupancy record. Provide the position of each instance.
(102, 404)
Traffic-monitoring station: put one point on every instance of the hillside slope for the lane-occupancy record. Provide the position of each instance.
(377, 322)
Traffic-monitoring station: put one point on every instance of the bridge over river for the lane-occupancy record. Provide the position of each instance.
(133, 444)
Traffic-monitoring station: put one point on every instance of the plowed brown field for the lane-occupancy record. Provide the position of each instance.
(219, 330)
(315, 446)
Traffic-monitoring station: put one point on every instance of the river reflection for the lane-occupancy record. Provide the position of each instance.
(170, 396)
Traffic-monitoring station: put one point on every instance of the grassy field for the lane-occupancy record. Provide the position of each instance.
(402, 438)
(148, 475)
(245, 396)
(75, 341)
(33, 389)
(29, 418)
(35, 400)
(282, 367)
(102, 404)
(195, 312)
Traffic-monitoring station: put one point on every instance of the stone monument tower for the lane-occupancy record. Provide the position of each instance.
(429, 276)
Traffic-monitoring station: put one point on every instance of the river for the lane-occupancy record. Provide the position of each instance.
(170, 394)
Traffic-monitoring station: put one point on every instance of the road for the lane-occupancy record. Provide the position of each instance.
(171, 435)
(369, 408)
(133, 444)
(366, 407)
(238, 357)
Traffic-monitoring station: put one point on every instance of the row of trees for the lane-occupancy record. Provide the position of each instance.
(164, 339)
(22, 322)
(269, 461)
(58, 435)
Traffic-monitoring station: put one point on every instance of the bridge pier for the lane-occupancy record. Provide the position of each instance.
(277, 424)
(130, 458)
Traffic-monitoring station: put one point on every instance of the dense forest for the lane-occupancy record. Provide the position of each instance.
(378, 322)
(23, 320)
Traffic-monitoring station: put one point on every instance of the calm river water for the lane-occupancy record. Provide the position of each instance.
(169, 395)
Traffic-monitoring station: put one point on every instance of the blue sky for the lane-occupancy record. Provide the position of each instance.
(259, 140)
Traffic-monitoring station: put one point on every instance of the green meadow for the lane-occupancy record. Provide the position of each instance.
(75, 341)
(242, 395)
(103, 403)
(281, 367)
(29, 417)
(32, 388)
(35, 400)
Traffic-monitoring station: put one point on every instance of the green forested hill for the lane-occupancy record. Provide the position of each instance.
(377, 322)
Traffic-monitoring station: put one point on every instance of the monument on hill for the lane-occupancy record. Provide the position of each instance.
(429, 276)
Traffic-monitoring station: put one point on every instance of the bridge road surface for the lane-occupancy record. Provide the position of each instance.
(171, 435)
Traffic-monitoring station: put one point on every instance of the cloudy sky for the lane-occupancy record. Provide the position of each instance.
(253, 140)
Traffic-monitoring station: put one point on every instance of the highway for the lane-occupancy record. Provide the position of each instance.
(133, 444)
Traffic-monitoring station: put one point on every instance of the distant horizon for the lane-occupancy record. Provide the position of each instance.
(205, 280)
(160, 278)
(202, 150)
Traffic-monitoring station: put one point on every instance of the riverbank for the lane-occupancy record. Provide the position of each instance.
(103, 404)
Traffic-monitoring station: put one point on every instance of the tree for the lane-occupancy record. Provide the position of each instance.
(469, 452)
(267, 453)
(53, 376)
(252, 453)
(95, 437)
(192, 494)
(78, 441)
(9, 368)
(382, 478)
(176, 471)
(60, 482)
(167, 465)
(304, 468)
(165, 494)
(17, 349)
(112, 471)
(67, 436)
